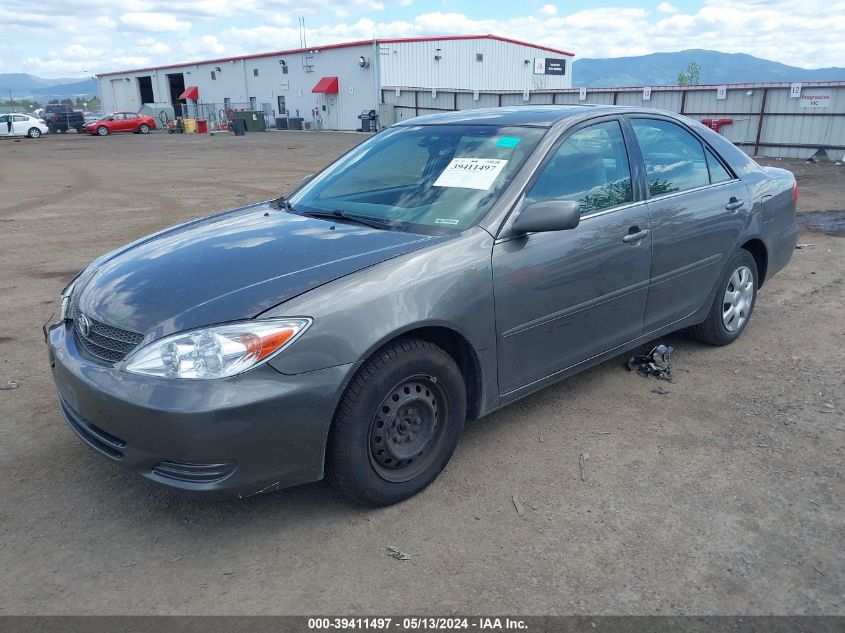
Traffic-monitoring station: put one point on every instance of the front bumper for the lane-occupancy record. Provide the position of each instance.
(234, 437)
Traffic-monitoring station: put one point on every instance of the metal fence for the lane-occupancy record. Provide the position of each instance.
(764, 119)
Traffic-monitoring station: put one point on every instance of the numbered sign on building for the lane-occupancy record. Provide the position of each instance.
(526, 95)
(398, 92)
(722, 92)
(582, 94)
(475, 95)
(795, 91)
(434, 94)
(647, 93)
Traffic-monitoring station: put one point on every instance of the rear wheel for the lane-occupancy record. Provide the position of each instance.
(397, 424)
(144, 129)
(102, 130)
(733, 304)
(34, 132)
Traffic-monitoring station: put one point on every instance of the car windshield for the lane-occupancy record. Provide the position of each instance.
(424, 178)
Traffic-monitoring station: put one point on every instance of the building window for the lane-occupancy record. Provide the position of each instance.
(284, 70)
(255, 72)
(213, 76)
(479, 57)
(227, 104)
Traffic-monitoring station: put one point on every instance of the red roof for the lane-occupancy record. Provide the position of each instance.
(191, 92)
(443, 38)
(327, 85)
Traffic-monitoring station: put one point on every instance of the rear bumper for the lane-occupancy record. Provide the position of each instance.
(235, 437)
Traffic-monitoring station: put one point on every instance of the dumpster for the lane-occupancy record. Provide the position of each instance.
(295, 123)
(254, 120)
(281, 123)
(239, 126)
(202, 126)
(190, 126)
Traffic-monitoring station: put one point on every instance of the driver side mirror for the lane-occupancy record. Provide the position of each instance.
(548, 215)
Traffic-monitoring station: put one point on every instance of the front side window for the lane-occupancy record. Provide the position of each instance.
(590, 166)
(674, 158)
(424, 178)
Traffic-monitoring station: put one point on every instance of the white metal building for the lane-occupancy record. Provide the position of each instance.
(330, 86)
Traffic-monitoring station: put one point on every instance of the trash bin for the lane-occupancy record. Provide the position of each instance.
(190, 126)
(239, 127)
(281, 123)
(202, 126)
(295, 123)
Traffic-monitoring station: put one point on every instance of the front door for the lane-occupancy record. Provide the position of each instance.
(6, 125)
(698, 210)
(563, 297)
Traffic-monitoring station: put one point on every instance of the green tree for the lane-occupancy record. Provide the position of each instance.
(691, 77)
(66, 102)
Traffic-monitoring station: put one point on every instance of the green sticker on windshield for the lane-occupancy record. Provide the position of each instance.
(508, 141)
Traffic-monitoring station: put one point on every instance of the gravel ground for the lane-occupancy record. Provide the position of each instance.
(723, 496)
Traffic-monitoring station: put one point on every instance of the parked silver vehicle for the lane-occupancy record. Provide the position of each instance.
(442, 269)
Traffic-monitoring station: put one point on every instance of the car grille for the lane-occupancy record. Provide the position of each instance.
(103, 342)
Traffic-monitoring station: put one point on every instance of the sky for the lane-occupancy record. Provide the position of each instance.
(75, 38)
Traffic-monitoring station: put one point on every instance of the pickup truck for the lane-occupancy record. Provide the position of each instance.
(61, 118)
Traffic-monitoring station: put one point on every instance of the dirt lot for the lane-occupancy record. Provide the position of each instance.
(725, 495)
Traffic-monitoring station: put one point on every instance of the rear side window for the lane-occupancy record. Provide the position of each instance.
(590, 166)
(718, 173)
(674, 158)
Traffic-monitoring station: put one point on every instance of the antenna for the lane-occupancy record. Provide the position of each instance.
(307, 57)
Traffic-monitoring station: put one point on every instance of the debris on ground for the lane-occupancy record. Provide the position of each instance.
(520, 509)
(12, 384)
(660, 391)
(656, 363)
(397, 553)
(582, 463)
(807, 245)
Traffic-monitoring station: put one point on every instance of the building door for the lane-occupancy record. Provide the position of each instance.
(176, 82)
(282, 109)
(118, 94)
(145, 89)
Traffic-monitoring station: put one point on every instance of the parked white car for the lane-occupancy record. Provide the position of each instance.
(17, 124)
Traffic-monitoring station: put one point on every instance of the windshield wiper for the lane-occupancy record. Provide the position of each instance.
(366, 220)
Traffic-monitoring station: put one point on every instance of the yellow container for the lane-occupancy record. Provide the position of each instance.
(190, 126)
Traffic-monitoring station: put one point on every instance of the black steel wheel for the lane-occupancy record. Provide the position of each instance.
(397, 424)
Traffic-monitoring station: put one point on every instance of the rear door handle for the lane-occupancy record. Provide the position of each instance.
(635, 237)
(734, 204)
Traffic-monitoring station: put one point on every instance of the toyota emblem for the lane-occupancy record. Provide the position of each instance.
(84, 324)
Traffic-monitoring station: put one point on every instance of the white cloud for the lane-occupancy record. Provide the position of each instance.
(667, 7)
(548, 9)
(153, 21)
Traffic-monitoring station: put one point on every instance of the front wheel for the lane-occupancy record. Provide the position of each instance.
(102, 130)
(144, 129)
(34, 132)
(734, 302)
(398, 423)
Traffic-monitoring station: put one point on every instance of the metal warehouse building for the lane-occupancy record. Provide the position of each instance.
(330, 86)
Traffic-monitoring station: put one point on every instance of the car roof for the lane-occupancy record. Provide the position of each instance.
(528, 115)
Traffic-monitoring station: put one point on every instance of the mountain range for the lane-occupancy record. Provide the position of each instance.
(661, 69)
(645, 70)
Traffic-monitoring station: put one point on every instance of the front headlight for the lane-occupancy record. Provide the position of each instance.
(216, 352)
(66, 294)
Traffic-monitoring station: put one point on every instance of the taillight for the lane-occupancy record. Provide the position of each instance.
(795, 192)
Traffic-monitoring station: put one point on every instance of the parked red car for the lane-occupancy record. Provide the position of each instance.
(121, 122)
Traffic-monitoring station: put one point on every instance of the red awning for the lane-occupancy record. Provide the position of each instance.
(191, 92)
(327, 85)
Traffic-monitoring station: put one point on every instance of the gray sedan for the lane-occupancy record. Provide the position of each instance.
(440, 270)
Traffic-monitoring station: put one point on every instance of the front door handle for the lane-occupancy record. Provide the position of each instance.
(734, 204)
(635, 235)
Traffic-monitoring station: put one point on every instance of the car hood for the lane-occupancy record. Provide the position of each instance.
(234, 265)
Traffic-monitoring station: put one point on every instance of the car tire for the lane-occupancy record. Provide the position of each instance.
(733, 304)
(102, 131)
(34, 132)
(62, 130)
(397, 424)
(144, 129)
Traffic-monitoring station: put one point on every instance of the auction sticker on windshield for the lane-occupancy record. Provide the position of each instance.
(471, 173)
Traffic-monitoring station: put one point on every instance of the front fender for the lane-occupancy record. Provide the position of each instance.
(446, 285)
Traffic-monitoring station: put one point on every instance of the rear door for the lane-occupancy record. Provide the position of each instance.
(20, 124)
(698, 209)
(565, 296)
